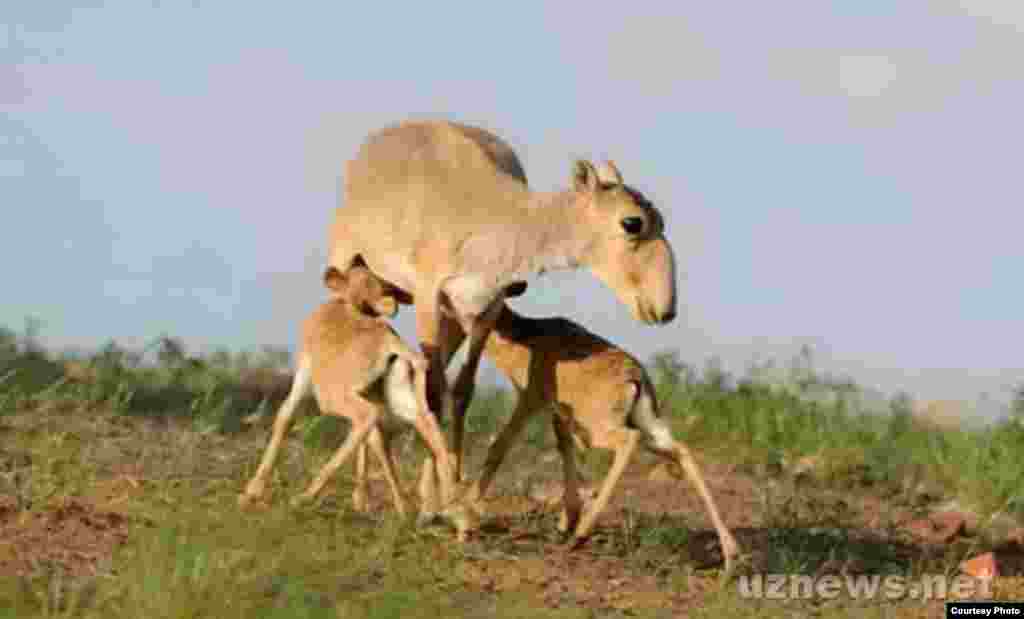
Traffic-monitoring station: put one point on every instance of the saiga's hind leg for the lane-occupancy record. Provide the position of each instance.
(381, 443)
(381, 446)
(572, 504)
(364, 418)
(432, 329)
(360, 494)
(660, 441)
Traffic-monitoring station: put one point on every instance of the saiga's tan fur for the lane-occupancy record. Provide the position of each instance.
(599, 397)
(442, 211)
(359, 368)
(598, 394)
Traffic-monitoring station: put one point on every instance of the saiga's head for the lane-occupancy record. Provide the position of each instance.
(364, 290)
(627, 249)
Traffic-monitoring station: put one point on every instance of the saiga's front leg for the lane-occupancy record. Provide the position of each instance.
(428, 331)
(526, 407)
(465, 383)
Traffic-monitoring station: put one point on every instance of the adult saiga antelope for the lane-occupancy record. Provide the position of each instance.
(357, 367)
(599, 397)
(442, 211)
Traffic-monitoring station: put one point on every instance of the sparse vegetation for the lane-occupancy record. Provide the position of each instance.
(119, 472)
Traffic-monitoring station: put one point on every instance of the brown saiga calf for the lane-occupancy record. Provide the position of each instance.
(358, 367)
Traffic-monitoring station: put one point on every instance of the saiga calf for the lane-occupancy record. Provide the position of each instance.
(357, 367)
(599, 396)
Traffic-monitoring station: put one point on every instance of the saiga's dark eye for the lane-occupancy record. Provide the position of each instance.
(633, 225)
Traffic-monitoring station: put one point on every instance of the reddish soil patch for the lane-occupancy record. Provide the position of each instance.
(1010, 558)
(73, 536)
(580, 578)
(733, 492)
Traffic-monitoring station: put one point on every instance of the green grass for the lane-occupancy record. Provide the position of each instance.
(759, 426)
(176, 419)
(192, 553)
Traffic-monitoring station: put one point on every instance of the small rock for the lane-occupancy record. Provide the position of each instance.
(768, 469)
(921, 527)
(938, 529)
(949, 525)
(972, 520)
(550, 458)
(806, 465)
(927, 491)
(982, 566)
(1000, 527)
(902, 516)
(1016, 536)
(548, 493)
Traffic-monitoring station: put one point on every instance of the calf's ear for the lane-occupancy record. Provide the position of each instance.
(335, 279)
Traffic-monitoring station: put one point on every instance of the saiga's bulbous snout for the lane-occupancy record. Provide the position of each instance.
(656, 292)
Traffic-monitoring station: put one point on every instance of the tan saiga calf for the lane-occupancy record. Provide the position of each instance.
(442, 211)
(358, 367)
(599, 396)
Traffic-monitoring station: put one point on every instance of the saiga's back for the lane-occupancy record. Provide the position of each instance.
(426, 183)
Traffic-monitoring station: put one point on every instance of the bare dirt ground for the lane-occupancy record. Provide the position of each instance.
(76, 536)
(75, 489)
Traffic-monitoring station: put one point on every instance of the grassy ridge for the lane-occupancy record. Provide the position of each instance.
(743, 418)
(195, 558)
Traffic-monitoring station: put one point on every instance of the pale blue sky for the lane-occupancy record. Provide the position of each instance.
(843, 174)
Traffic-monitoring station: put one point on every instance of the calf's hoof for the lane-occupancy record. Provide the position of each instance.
(463, 518)
(248, 501)
(427, 519)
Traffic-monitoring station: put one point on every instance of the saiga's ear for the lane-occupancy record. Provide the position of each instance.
(609, 173)
(584, 176)
(335, 279)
